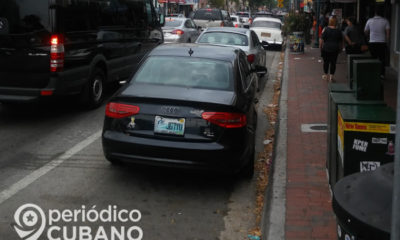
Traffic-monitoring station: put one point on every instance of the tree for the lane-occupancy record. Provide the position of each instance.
(217, 3)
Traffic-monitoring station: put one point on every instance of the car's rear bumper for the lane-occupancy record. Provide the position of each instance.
(177, 154)
(59, 84)
(271, 43)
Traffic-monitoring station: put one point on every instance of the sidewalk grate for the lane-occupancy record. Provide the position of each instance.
(316, 127)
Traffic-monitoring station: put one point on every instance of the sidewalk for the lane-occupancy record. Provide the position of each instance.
(308, 214)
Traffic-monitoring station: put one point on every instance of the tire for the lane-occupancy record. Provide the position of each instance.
(92, 94)
(248, 169)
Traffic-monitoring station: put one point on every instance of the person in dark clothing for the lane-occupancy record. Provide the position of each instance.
(331, 44)
(353, 37)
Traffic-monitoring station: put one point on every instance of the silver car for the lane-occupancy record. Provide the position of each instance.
(242, 38)
(180, 30)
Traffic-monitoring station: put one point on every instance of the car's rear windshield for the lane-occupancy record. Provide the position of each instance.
(20, 16)
(172, 22)
(224, 38)
(266, 24)
(186, 72)
(208, 14)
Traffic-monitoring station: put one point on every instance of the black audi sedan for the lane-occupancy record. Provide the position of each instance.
(187, 106)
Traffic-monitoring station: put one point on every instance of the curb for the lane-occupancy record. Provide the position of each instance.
(273, 217)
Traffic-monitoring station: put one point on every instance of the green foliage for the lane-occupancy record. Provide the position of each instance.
(217, 3)
(295, 22)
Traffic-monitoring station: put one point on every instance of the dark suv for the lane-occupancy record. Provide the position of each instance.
(52, 47)
(212, 17)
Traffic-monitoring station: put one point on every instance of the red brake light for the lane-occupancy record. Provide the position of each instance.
(250, 20)
(251, 58)
(208, 10)
(225, 119)
(119, 110)
(46, 92)
(56, 53)
(222, 24)
(178, 31)
(236, 25)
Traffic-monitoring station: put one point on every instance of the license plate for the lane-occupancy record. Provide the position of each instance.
(174, 126)
(265, 34)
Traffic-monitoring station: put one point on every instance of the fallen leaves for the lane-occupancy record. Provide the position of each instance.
(265, 158)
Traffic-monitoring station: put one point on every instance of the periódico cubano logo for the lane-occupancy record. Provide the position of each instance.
(30, 221)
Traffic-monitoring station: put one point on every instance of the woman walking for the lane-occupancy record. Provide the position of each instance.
(331, 44)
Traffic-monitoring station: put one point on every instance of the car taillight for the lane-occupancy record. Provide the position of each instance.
(236, 25)
(225, 119)
(250, 20)
(178, 31)
(251, 58)
(119, 110)
(222, 24)
(56, 53)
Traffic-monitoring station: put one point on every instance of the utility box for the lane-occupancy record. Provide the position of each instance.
(366, 79)
(366, 136)
(350, 59)
(335, 100)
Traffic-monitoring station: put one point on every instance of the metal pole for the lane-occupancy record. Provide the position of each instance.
(316, 36)
(395, 233)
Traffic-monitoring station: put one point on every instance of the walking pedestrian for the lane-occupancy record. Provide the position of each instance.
(378, 30)
(353, 37)
(331, 44)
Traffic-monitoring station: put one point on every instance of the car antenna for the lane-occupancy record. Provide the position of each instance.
(190, 52)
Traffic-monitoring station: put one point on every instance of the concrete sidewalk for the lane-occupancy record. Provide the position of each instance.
(300, 199)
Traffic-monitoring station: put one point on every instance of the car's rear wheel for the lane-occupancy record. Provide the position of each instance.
(248, 170)
(92, 94)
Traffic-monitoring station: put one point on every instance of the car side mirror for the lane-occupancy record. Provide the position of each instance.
(246, 26)
(199, 28)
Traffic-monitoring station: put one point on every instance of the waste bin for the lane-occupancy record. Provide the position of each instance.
(350, 59)
(367, 82)
(362, 203)
(336, 99)
(366, 136)
(339, 87)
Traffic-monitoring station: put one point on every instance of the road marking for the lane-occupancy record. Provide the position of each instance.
(27, 180)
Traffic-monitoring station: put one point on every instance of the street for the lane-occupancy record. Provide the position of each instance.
(51, 156)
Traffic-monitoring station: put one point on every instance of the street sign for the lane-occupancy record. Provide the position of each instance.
(280, 1)
(280, 5)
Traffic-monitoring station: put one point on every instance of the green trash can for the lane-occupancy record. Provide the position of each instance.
(336, 99)
(367, 82)
(339, 87)
(350, 59)
(366, 136)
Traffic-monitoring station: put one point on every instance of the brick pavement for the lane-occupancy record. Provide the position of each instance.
(309, 213)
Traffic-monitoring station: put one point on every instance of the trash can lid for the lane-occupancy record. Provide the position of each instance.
(363, 201)
(350, 99)
(367, 113)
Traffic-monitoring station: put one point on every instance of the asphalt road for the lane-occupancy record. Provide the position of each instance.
(51, 156)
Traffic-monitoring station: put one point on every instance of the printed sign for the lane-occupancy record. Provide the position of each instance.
(379, 140)
(366, 166)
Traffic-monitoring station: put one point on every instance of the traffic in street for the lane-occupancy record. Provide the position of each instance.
(117, 122)
(52, 156)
